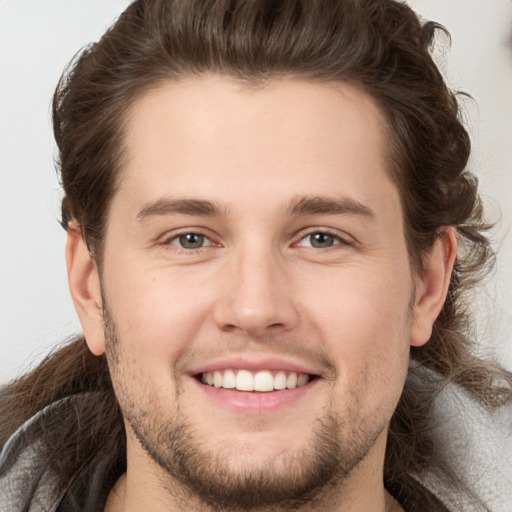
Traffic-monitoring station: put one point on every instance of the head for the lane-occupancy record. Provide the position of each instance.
(186, 97)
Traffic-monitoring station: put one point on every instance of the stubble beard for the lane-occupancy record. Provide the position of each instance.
(286, 483)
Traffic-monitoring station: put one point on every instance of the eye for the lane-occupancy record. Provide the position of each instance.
(190, 241)
(321, 240)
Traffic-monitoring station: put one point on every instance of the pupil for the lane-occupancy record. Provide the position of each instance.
(191, 241)
(320, 240)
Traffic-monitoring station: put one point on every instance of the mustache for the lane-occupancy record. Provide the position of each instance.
(279, 346)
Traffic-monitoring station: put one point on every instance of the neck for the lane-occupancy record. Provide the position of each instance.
(122, 500)
(141, 489)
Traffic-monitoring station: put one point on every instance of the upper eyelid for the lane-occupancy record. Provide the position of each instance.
(190, 233)
(343, 237)
(171, 235)
(168, 242)
(337, 242)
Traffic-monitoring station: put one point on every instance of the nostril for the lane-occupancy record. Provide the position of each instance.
(229, 328)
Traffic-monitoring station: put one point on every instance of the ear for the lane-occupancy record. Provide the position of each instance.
(84, 285)
(432, 285)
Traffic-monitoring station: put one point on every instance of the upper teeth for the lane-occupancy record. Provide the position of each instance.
(244, 380)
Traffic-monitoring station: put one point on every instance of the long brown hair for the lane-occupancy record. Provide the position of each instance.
(378, 46)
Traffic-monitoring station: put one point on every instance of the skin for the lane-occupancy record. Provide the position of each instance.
(257, 288)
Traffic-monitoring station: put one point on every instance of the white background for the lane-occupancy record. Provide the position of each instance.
(38, 38)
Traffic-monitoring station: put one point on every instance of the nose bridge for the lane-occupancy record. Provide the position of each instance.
(259, 295)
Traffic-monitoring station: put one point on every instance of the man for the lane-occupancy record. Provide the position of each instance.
(270, 232)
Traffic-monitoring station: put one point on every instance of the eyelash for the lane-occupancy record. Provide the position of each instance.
(337, 240)
(170, 241)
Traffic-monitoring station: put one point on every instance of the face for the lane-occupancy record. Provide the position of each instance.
(257, 291)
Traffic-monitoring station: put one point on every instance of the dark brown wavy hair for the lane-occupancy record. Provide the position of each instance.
(378, 46)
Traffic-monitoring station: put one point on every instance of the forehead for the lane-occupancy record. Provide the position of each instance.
(214, 136)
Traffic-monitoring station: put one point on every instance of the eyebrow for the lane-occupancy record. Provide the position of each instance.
(320, 205)
(300, 205)
(170, 206)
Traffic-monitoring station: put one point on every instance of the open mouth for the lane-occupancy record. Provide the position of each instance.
(262, 381)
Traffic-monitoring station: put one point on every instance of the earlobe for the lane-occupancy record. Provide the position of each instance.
(432, 285)
(84, 285)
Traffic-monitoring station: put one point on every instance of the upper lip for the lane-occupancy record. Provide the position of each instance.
(256, 364)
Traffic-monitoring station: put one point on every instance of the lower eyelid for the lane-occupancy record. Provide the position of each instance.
(207, 242)
(338, 240)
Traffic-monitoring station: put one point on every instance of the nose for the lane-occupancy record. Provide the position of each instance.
(256, 296)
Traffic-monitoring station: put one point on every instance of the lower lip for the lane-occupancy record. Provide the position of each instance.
(253, 401)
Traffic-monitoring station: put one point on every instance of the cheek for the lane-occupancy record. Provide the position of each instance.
(157, 314)
(363, 318)
(361, 304)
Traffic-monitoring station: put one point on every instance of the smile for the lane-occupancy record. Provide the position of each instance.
(262, 381)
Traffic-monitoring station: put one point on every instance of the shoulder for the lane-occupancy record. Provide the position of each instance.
(27, 481)
(413, 496)
(479, 444)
